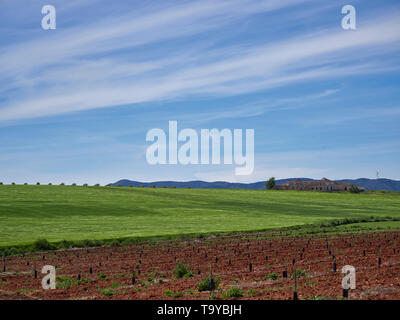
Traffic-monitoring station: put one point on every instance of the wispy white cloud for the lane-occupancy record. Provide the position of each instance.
(258, 108)
(142, 26)
(355, 115)
(74, 77)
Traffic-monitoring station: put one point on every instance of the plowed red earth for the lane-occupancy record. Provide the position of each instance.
(230, 258)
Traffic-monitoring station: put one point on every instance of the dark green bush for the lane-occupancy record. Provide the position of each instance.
(204, 285)
(354, 189)
(299, 274)
(42, 245)
(233, 292)
(272, 276)
(182, 271)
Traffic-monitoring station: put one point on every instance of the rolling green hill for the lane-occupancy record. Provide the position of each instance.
(76, 213)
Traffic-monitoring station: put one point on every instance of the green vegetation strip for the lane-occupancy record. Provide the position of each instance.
(67, 215)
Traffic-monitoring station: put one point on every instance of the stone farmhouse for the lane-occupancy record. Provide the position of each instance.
(319, 185)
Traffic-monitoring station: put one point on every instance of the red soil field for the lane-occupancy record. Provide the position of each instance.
(229, 256)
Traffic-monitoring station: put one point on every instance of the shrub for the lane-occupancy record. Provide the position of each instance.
(182, 271)
(42, 245)
(97, 185)
(204, 285)
(38, 183)
(74, 184)
(85, 184)
(299, 274)
(170, 293)
(252, 292)
(1, 183)
(108, 292)
(354, 189)
(62, 184)
(64, 282)
(272, 276)
(213, 296)
(233, 292)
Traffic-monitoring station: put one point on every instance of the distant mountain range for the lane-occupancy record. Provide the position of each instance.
(368, 184)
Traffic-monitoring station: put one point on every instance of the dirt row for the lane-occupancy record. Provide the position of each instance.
(253, 263)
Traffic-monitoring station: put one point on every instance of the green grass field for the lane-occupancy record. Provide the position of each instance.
(76, 213)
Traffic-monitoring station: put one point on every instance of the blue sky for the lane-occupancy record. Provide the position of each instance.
(76, 102)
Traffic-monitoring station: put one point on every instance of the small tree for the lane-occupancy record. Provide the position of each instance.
(182, 271)
(354, 189)
(270, 183)
(42, 245)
